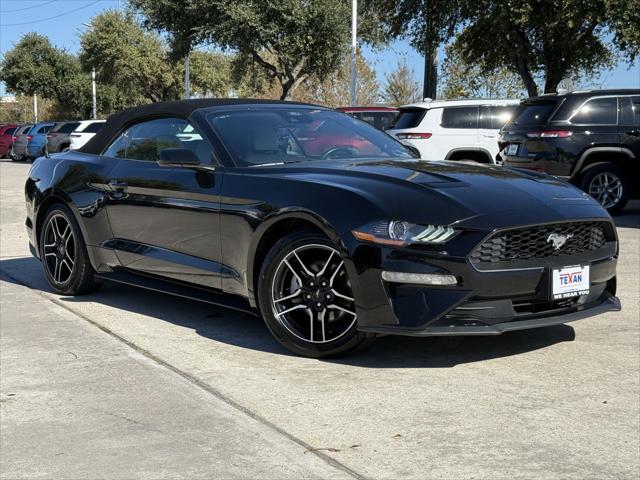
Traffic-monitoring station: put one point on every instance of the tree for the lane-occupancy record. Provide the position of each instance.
(291, 40)
(210, 74)
(401, 87)
(34, 65)
(625, 21)
(126, 56)
(335, 91)
(426, 23)
(553, 39)
(464, 80)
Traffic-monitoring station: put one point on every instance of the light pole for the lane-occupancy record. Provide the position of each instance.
(35, 107)
(94, 110)
(354, 46)
(187, 79)
(93, 93)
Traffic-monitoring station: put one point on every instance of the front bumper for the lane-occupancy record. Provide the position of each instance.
(610, 304)
(483, 302)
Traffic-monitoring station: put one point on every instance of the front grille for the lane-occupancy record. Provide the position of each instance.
(536, 242)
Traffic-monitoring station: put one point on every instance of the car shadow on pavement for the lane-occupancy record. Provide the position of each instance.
(247, 331)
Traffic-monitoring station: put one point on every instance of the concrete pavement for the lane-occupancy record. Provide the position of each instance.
(560, 402)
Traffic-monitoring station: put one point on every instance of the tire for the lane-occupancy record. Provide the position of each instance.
(608, 184)
(69, 272)
(332, 331)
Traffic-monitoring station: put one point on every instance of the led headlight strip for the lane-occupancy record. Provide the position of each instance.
(399, 233)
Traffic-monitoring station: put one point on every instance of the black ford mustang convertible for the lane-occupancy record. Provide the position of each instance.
(326, 227)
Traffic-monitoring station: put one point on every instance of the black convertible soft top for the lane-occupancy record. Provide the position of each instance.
(179, 108)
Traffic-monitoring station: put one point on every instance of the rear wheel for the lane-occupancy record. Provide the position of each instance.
(64, 255)
(306, 299)
(608, 185)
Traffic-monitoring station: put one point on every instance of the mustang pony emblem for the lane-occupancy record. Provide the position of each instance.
(558, 239)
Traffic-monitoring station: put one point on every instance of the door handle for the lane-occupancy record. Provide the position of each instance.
(488, 135)
(634, 133)
(118, 185)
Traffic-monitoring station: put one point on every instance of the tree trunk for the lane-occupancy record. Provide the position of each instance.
(551, 83)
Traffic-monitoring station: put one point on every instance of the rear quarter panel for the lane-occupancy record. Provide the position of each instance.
(78, 180)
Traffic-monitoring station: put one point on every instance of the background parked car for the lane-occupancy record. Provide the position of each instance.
(591, 138)
(380, 117)
(453, 129)
(19, 148)
(58, 138)
(85, 130)
(6, 139)
(37, 139)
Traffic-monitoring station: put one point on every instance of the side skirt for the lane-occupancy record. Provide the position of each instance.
(191, 292)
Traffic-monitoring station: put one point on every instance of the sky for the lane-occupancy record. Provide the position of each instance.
(61, 21)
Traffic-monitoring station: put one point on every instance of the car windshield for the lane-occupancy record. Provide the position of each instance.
(285, 135)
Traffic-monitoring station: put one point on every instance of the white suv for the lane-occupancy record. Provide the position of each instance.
(84, 132)
(453, 129)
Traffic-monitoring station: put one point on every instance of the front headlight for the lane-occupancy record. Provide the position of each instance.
(399, 233)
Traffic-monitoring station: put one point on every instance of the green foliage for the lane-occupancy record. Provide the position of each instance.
(554, 39)
(471, 80)
(336, 91)
(210, 74)
(291, 40)
(34, 65)
(401, 86)
(128, 57)
(624, 18)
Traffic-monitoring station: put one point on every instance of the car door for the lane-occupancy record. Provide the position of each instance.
(492, 119)
(459, 130)
(165, 220)
(629, 127)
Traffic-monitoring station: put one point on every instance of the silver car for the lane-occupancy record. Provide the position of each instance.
(58, 137)
(19, 148)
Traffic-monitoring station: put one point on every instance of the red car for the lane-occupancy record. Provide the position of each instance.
(6, 138)
(380, 117)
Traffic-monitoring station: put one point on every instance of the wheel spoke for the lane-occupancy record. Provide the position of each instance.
(322, 314)
(304, 267)
(56, 272)
(286, 262)
(324, 269)
(310, 324)
(66, 264)
(66, 230)
(338, 307)
(335, 272)
(297, 307)
(55, 228)
(338, 294)
(288, 297)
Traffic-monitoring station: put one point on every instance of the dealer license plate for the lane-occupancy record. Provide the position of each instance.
(512, 149)
(569, 282)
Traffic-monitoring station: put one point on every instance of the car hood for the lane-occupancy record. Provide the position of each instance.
(448, 191)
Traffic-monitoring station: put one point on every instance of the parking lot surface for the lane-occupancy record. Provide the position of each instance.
(129, 383)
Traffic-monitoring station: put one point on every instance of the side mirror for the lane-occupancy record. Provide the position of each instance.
(177, 157)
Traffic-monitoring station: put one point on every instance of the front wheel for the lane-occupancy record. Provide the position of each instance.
(607, 184)
(305, 297)
(64, 255)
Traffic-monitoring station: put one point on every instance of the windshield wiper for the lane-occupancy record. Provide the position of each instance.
(284, 162)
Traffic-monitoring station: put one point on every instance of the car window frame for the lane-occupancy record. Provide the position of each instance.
(214, 162)
(597, 97)
(625, 110)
